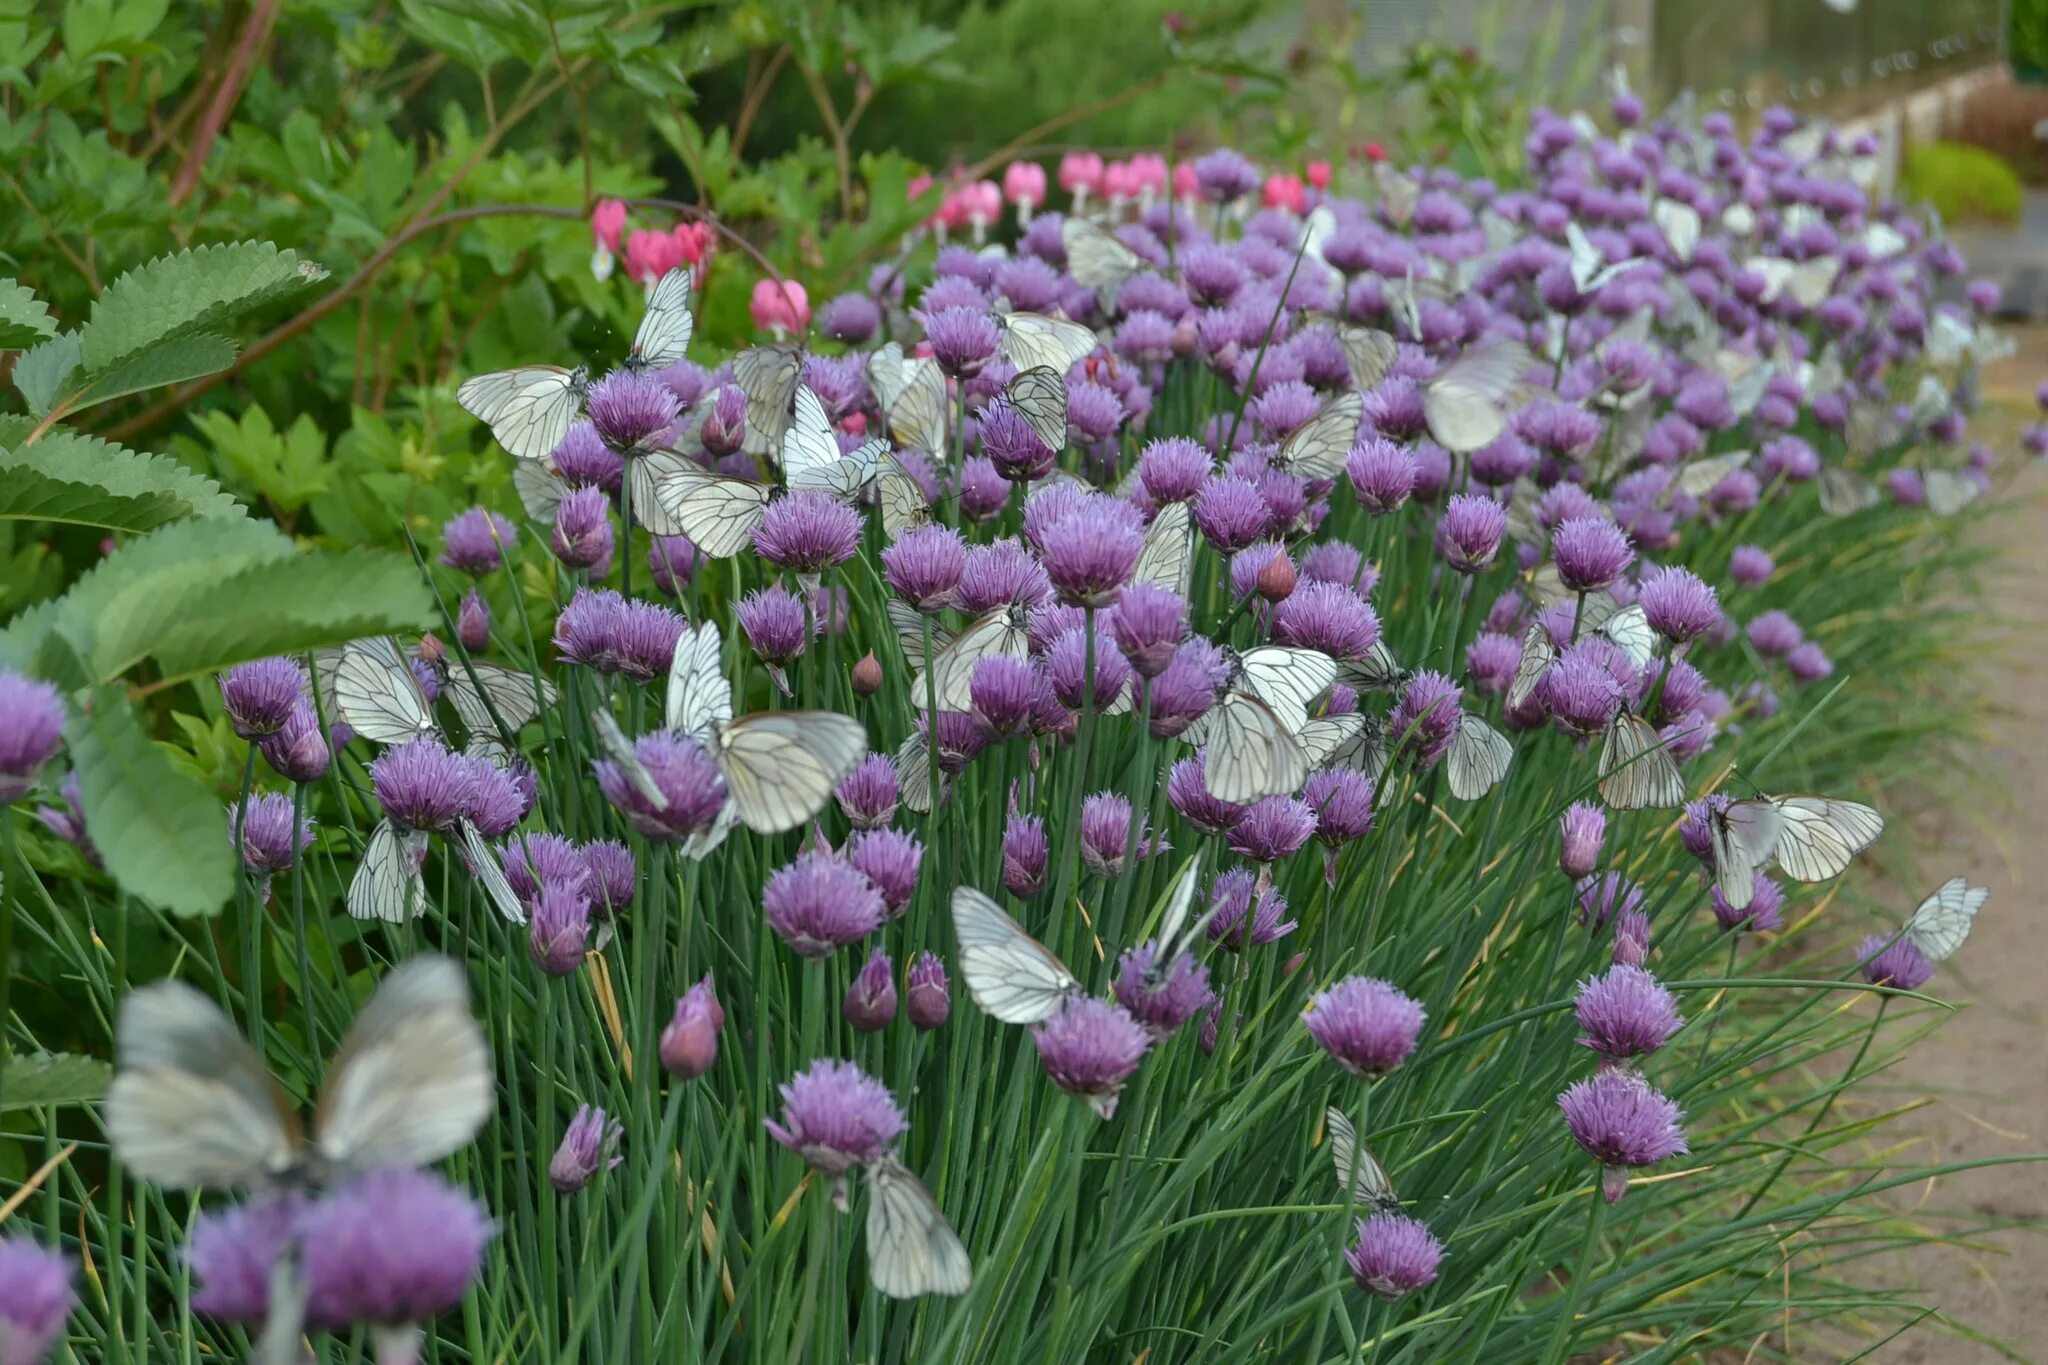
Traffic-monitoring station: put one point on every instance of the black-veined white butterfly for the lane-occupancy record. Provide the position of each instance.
(1399, 194)
(1095, 259)
(1034, 341)
(919, 415)
(1376, 671)
(1680, 224)
(1252, 738)
(913, 761)
(1318, 448)
(768, 375)
(1844, 492)
(1949, 492)
(1001, 632)
(1808, 282)
(1697, 478)
(1176, 935)
(912, 1250)
(1462, 404)
(666, 327)
(1011, 975)
(540, 488)
(1809, 838)
(1941, 923)
(192, 1107)
(375, 691)
(1040, 395)
(529, 410)
(1361, 1177)
(1369, 354)
(1477, 759)
(1166, 559)
(1589, 267)
(387, 884)
(1637, 770)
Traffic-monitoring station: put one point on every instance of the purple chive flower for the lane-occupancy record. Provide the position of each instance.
(559, 928)
(67, 822)
(1808, 662)
(820, 902)
(1186, 690)
(1174, 469)
(1602, 898)
(1581, 830)
(890, 859)
(267, 834)
(1367, 1026)
(672, 560)
(930, 1000)
(1000, 574)
(1626, 1013)
(1342, 799)
(1224, 175)
(682, 772)
(1094, 412)
(260, 697)
(870, 1004)
(807, 532)
(868, 795)
(1491, 660)
(232, 1254)
(298, 752)
(473, 622)
(1394, 1255)
(1469, 533)
(1231, 514)
(590, 1144)
(923, 567)
(689, 1045)
(1272, 828)
(1382, 474)
(1579, 692)
(1895, 962)
(630, 411)
(585, 461)
(1591, 552)
(1621, 1122)
(777, 624)
(1090, 1048)
(611, 634)
(613, 876)
(1105, 827)
(532, 861)
(391, 1246)
(1025, 854)
(422, 785)
(1149, 623)
(984, 493)
(1327, 617)
(1764, 912)
(1091, 550)
(1333, 561)
(36, 1300)
(1066, 669)
(31, 726)
(836, 1117)
(1775, 634)
(503, 796)
(583, 530)
(851, 318)
(1563, 431)
(1012, 445)
(1425, 720)
(725, 422)
(1631, 939)
(1182, 994)
(474, 541)
(963, 339)
(1190, 795)
(1679, 604)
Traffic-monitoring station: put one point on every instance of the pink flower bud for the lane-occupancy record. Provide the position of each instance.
(1285, 192)
(1024, 183)
(1080, 171)
(608, 223)
(780, 306)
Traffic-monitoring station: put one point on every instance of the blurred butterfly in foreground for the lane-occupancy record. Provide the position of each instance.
(1810, 838)
(912, 1250)
(1011, 975)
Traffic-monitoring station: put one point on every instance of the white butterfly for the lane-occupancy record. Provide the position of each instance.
(1041, 396)
(913, 762)
(1377, 671)
(1176, 936)
(1362, 1178)
(1095, 259)
(1680, 224)
(1942, 922)
(886, 371)
(530, 409)
(1697, 478)
(912, 1250)
(1931, 402)
(540, 488)
(1011, 975)
(1166, 559)
(811, 460)
(192, 1106)
(1627, 627)
(505, 691)
(1810, 838)
(1538, 654)
(1589, 268)
(902, 500)
(619, 750)
(376, 693)
(1318, 448)
(1949, 492)
(918, 414)
(387, 884)
(1477, 759)
(1463, 402)
(1844, 492)
(1033, 341)
(1252, 737)
(1000, 632)
(1637, 770)
(666, 327)
(1399, 194)
(1883, 241)
(1369, 353)
(768, 375)
(1807, 281)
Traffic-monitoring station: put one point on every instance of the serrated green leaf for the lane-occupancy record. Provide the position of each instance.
(167, 362)
(53, 1078)
(83, 481)
(41, 373)
(161, 833)
(290, 606)
(192, 291)
(24, 319)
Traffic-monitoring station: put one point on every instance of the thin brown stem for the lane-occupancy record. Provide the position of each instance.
(821, 95)
(758, 87)
(241, 66)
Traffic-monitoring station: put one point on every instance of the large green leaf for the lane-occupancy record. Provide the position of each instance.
(40, 374)
(168, 362)
(24, 320)
(53, 1078)
(161, 832)
(192, 291)
(78, 479)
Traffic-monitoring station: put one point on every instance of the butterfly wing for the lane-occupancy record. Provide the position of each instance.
(1478, 758)
(1095, 259)
(918, 417)
(780, 766)
(1949, 492)
(810, 455)
(1377, 671)
(1629, 628)
(913, 762)
(1041, 396)
(378, 696)
(1011, 975)
(768, 376)
(1942, 922)
(885, 371)
(540, 489)
(511, 694)
(1166, 560)
(647, 471)
(191, 1105)
(1843, 493)
(1637, 771)
(1462, 404)
(1819, 836)
(1538, 654)
(1697, 478)
(666, 327)
(1320, 446)
(910, 631)
(699, 697)
(717, 513)
(1359, 1175)
(489, 873)
(1369, 353)
(904, 505)
(1288, 680)
(1249, 751)
(1744, 836)
(387, 885)
(912, 1250)
(528, 410)
(412, 1081)
(1680, 224)
(1033, 341)
(619, 750)
(953, 670)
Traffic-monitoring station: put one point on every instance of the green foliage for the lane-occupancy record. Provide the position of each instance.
(24, 318)
(1962, 183)
(66, 477)
(53, 1080)
(190, 292)
(2027, 37)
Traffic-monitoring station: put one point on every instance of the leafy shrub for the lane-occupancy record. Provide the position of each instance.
(1964, 184)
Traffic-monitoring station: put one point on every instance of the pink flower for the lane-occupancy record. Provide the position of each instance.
(1319, 174)
(1285, 192)
(1024, 184)
(780, 307)
(650, 255)
(1148, 173)
(695, 241)
(608, 223)
(921, 185)
(987, 200)
(1080, 172)
(1117, 181)
(1185, 185)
